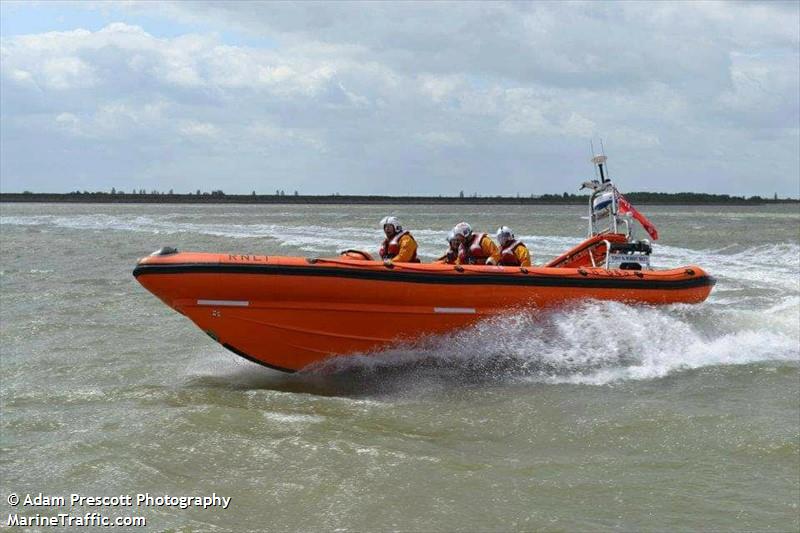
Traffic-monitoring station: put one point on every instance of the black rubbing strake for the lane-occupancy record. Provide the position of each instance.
(432, 278)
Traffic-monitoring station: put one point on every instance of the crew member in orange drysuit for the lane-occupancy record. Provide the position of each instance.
(451, 255)
(512, 251)
(475, 248)
(398, 246)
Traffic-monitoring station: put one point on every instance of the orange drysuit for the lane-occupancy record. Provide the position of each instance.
(479, 249)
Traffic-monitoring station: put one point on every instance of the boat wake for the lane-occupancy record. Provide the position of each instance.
(594, 343)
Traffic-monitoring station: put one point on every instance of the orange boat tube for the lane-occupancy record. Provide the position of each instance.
(288, 312)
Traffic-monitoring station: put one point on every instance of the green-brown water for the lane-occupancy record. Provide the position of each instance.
(604, 416)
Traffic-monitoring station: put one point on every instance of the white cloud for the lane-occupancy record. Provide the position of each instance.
(440, 88)
(191, 128)
(21, 76)
(68, 123)
(353, 97)
(442, 138)
(66, 73)
(763, 91)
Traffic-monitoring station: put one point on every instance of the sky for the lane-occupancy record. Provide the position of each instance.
(406, 98)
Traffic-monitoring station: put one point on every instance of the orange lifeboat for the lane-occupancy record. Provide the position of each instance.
(290, 312)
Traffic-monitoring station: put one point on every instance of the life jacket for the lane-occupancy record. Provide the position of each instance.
(391, 248)
(472, 253)
(507, 255)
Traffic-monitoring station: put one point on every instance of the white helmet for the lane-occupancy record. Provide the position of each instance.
(504, 235)
(463, 229)
(392, 221)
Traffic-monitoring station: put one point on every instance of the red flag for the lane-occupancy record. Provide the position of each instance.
(625, 207)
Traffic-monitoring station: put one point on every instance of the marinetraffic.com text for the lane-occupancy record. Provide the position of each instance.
(80, 510)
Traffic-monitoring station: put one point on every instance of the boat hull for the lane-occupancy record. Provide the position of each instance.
(289, 313)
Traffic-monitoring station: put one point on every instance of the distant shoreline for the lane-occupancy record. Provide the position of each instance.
(335, 199)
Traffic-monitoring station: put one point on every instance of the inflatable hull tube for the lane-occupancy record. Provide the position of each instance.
(288, 312)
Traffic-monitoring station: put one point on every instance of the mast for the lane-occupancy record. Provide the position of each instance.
(606, 188)
(600, 161)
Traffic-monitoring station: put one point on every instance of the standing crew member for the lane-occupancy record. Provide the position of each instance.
(512, 251)
(398, 246)
(451, 255)
(475, 248)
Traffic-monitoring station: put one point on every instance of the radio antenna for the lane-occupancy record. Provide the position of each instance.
(603, 151)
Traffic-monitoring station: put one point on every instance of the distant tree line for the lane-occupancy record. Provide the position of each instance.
(697, 198)
(568, 198)
(667, 198)
(219, 196)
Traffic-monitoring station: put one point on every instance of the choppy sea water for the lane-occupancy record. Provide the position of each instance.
(597, 416)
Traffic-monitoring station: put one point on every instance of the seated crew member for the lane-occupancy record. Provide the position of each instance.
(475, 248)
(398, 246)
(512, 251)
(451, 255)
